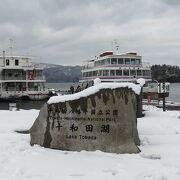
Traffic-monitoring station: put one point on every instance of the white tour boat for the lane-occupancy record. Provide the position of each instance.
(20, 78)
(110, 67)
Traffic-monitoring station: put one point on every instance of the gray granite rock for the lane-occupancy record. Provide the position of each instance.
(103, 121)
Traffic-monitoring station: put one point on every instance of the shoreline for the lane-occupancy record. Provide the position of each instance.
(170, 105)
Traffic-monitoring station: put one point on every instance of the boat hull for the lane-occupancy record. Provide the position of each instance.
(26, 95)
(38, 96)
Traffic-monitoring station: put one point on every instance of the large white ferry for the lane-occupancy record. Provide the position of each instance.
(110, 67)
(20, 78)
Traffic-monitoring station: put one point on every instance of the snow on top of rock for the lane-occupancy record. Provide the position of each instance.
(97, 81)
(92, 90)
(141, 81)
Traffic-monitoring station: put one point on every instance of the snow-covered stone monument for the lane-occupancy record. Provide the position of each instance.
(102, 117)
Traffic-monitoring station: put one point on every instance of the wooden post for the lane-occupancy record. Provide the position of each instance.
(164, 103)
(139, 104)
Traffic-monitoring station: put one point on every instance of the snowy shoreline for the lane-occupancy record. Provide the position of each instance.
(159, 158)
(170, 105)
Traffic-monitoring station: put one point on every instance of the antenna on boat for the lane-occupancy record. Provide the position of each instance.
(11, 46)
(117, 46)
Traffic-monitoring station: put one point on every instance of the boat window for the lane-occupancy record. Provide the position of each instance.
(108, 61)
(105, 72)
(118, 72)
(94, 73)
(97, 63)
(126, 72)
(101, 62)
(132, 72)
(100, 73)
(120, 61)
(127, 61)
(84, 74)
(112, 72)
(139, 73)
(90, 73)
(9, 74)
(146, 73)
(38, 73)
(132, 61)
(104, 61)
(16, 62)
(113, 60)
(138, 61)
(7, 62)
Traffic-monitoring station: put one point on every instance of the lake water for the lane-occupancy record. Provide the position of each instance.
(174, 95)
(174, 92)
(61, 86)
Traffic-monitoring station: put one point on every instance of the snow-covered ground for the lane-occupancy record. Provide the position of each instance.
(159, 158)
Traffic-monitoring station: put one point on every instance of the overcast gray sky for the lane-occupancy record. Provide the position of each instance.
(68, 32)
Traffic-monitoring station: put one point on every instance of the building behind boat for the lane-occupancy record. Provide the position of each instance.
(20, 78)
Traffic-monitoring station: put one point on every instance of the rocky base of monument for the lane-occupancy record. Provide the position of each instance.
(102, 117)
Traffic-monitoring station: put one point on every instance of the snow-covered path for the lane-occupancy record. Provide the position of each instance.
(159, 158)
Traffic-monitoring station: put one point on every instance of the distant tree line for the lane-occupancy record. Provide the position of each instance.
(166, 73)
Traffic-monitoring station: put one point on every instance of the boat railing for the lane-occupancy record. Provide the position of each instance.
(12, 91)
(37, 89)
(13, 78)
(88, 66)
(13, 94)
(22, 78)
(114, 65)
(150, 89)
(27, 66)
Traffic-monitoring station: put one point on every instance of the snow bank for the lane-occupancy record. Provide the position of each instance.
(141, 81)
(97, 81)
(92, 90)
(159, 158)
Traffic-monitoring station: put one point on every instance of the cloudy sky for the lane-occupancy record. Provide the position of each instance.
(68, 32)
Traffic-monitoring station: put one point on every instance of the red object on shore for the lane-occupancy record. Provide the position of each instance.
(149, 99)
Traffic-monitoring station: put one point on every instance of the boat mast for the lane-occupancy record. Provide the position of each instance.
(11, 46)
(117, 46)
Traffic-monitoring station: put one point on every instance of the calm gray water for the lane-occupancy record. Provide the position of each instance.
(174, 95)
(61, 86)
(174, 92)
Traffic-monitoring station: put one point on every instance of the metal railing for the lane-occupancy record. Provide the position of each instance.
(22, 78)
